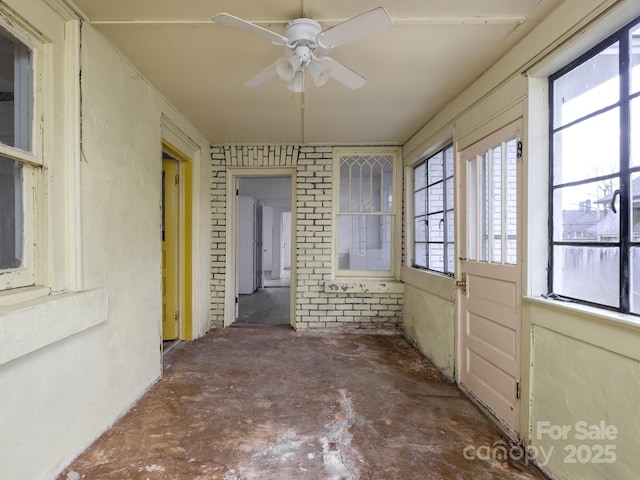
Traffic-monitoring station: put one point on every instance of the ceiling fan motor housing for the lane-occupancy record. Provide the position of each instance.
(303, 31)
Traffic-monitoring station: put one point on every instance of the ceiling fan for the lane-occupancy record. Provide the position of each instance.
(306, 46)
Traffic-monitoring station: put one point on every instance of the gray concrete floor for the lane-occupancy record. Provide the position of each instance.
(268, 306)
(271, 403)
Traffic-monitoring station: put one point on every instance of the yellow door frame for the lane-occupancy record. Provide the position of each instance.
(185, 235)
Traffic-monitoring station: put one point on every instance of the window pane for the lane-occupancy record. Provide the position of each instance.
(11, 214)
(436, 257)
(364, 242)
(366, 184)
(419, 176)
(420, 254)
(588, 149)
(436, 197)
(450, 226)
(448, 155)
(635, 60)
(436, 168)
(420, 202)
(483, 221)
(635, 208)
(635, 132)
(583, 213)
(435, 224)
(450, 258)
(420, 229)
(496, 205)
(635, 280)
(511, 202)
(587, 273)
(449, 193)
(589, 87)
(387, 187)
(16, 92)
(345, 187)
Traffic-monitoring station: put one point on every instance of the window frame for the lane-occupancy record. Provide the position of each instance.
(625, 171)
(446, 209)
(395, 213)
(31, 159)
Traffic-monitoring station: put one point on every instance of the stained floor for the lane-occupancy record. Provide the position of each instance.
(266, 402)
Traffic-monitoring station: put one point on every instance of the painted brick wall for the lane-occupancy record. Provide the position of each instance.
(315, 307)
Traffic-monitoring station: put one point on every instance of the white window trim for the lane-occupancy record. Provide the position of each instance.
(396, 214)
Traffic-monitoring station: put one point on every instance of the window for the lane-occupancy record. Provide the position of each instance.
(492, 199)
(366, 214)
(595, 175)
(18, 164)
(433, 191)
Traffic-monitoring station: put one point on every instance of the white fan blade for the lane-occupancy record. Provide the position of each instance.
(263, 77)
(343, 74)
(250, 28)
(364, 25)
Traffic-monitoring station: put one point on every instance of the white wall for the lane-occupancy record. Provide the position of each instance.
(58, 398)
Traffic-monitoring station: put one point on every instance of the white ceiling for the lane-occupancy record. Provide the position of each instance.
(434, 50)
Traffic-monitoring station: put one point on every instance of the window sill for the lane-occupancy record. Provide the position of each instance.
(19, 295)
(363, 286)
(34, 323)
(441, 285)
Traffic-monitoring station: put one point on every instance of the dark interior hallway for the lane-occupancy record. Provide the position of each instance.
(270, 403)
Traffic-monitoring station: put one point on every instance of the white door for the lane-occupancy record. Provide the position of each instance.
(489, 182)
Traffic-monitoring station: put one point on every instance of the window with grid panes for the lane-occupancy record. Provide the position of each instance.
(595, 175)
(433, 214)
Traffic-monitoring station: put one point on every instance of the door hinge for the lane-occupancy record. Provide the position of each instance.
(518, 390)
(176, 315)
(236, 300)
(519, 150)
(462, 285)
(176, 179)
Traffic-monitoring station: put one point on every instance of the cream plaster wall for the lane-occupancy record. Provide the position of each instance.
(59, 397)
(429, 316)
(584, 368)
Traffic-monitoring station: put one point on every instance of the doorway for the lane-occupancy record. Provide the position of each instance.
(490, 322)
(176, 230)
(260, 237)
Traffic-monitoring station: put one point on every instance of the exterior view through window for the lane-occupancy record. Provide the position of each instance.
(433, 191)
(595, 175)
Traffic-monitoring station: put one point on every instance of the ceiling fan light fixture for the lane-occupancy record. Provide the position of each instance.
(319, 73)
(287, 67)
(296, 85)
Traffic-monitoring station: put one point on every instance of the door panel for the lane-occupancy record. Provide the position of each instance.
(489, 182)
(170, 252)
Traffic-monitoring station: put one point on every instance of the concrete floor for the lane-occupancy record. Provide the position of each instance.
(267, 306)
(265, 402)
